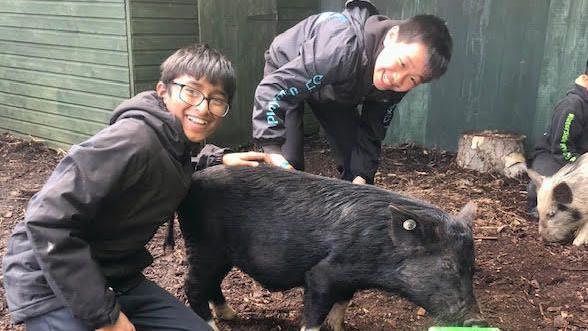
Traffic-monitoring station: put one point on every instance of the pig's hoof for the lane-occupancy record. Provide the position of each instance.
(304, 328)
(580, 240)
(334, 325)
(334, 320)
(223, 312)
(213, 325)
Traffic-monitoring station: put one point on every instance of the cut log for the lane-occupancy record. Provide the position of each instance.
(490, 150)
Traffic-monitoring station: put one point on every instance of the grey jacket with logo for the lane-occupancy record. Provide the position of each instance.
(328, 58)
(84, 233)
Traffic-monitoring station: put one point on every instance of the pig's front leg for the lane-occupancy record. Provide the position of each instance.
(582, 235)
(337, 316)
(322, 292)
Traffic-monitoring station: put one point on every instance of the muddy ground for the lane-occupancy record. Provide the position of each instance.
(521, 283)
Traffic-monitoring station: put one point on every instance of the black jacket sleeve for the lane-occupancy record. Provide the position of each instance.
(210, 155)
(567, 124)
(322, 59)
(58, 217)
(374, 122)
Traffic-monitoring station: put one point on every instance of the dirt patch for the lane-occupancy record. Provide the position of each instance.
(521, 283)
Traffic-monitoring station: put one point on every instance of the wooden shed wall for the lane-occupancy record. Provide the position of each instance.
(243, 30)
(512, 61)
(63, 67)
(158, 28)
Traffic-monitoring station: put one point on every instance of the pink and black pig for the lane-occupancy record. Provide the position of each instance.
(562, 203)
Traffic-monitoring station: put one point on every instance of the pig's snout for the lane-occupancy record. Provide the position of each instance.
(475, 321)
(474, 317)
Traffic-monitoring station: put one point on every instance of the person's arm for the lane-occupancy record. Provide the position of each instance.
(365, 156)
(322, 60)
(566, 129)
(210, 155)
(58, 219)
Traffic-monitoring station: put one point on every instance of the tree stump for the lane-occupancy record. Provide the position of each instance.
(491, 150)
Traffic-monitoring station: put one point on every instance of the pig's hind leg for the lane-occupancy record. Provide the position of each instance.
(205, 275)
(324, 292)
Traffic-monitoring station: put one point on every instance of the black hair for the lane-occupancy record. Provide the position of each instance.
(433, 33)
(200, 60)
(586, 70)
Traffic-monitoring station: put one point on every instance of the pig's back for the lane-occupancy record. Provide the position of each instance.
(280, 223)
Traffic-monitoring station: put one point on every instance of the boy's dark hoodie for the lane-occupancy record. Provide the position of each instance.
(567, 136)
(84, 234)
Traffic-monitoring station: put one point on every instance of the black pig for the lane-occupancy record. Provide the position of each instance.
(288, 228)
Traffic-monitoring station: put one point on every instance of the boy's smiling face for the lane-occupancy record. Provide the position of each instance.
(400, 66)
(197, 122)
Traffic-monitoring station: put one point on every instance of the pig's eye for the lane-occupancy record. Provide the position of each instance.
(409, 224)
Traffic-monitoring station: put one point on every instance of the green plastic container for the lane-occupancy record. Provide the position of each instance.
(462, 328)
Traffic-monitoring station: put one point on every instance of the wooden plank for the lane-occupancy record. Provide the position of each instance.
(42, 131)
(74, 24)
(62, 38)
(152, 42)
(64, 8)
(60, 95)
(296, 14)
(165, 26)
(314, 4)
(54, 107)
(147, 73)
(96, 71)
(61, 122)
(146, 57)
(65, 53)
(163, 10)
(167, 2)
(332, 5)
(144, 86)
(68, 82)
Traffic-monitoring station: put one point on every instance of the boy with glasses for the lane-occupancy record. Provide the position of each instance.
(337, 62)
(75, 262)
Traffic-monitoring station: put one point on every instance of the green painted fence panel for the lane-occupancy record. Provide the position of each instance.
(158, 28)
(564, 58)
(512, 61)
(243, 30)
(76, 60)
(74, 24)
(65, 8)
(49, 120)
(66, 82)
(86, 56)
(78, 69)
(53, 107)
(65, 65)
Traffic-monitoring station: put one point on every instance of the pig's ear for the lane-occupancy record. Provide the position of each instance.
(535, 177)
(562, 193)
(468, 213)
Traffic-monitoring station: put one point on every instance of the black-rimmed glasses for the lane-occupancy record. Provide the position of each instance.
(194, 97)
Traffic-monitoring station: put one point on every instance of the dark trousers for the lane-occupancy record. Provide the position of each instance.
(147, 306)
(546, 165)
(340, 124)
